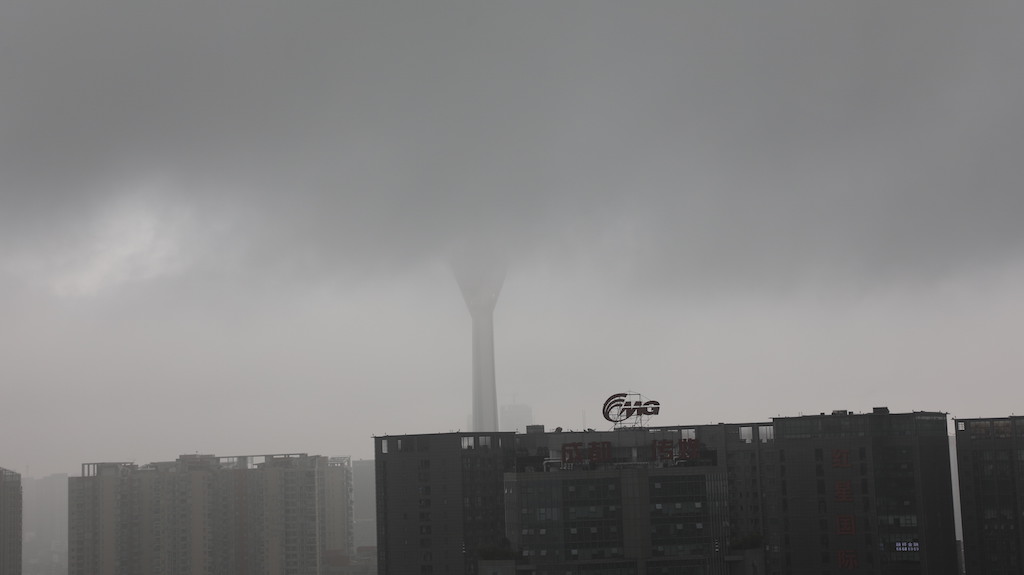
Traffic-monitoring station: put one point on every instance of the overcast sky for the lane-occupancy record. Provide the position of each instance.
(225, 226)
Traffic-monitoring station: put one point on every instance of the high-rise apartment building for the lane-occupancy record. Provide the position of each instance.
(45, 522)
(288, 514)
(990, 456)
(10, 522)
(440, 502)
(829, 494)
(864, 493)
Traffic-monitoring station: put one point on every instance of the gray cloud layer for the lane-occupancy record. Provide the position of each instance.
(686, 139)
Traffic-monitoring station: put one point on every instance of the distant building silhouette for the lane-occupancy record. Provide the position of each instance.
(45, 520)
(515, 417)
(364, 494)
(10, 522)
(288, 514)
(990, 456)
(844, 492)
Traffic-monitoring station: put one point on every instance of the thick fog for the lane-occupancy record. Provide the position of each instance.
(225, 227)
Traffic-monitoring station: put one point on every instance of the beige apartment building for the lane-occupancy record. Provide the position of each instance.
(286, 514)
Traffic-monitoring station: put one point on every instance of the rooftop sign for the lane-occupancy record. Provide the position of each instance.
(622, 407)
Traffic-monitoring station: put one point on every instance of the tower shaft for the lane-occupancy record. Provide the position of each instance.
(480, 279)
(485, 394)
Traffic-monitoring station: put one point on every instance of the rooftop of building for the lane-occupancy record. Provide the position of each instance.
(200, 461)
(1007, 418)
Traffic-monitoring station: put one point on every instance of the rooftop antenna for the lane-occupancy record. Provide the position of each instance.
(480, 275)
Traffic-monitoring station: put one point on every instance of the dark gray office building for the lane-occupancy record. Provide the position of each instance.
(440, 503)
(636, 500)
(864, 493)
(633, 500)
(990, 456)
(825, 494)
(10, 522)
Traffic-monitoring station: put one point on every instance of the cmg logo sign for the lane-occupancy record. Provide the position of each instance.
(618, 408)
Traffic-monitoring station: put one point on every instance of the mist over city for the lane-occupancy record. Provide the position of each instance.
(231, 228)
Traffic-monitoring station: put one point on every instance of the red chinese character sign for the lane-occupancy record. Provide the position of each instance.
(629, 409)
(846, 525)
(572, 452)
(840, 458)
(593, 452)
(844, 491)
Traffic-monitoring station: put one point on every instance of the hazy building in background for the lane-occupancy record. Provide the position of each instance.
(515, 417)
(866, 493)
(10, 522)
(990, 455)
(364, 489)
(270, 514)
(338, 550)
(45, 519)
(364, 502)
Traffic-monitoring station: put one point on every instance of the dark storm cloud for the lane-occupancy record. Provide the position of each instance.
(759, 141)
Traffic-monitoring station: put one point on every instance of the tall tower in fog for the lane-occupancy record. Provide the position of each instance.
(480, 279)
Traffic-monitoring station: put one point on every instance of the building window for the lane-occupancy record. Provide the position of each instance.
(746, 434)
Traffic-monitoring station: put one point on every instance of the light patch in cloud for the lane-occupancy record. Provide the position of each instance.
(134, 239)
